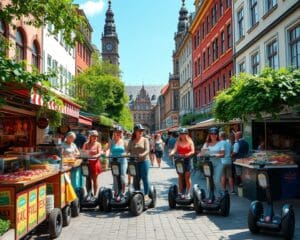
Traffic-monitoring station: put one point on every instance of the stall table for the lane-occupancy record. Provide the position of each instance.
(284, 179)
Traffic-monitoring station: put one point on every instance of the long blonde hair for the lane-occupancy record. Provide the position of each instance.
(188, 139)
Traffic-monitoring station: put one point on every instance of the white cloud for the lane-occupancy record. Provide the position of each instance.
(92, 8)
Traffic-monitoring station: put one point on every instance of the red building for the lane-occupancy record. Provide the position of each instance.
(84, 49)
(212, 55)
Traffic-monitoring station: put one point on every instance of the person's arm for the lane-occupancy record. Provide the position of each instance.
(204, 148)
(146, 147)
(221, 153)
(235, 149)
(76, 151)
(174, 150)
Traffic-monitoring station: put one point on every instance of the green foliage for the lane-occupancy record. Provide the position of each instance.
(101, 90)
(254, 95)
(189, 118)
(126, 118)
(4, 226)
(61, 13)
(105, 121)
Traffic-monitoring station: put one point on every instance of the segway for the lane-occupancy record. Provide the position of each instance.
(265, 219)
(210, 203)
(173, 197)
(137, 204)
(88, 200)
(110, 199)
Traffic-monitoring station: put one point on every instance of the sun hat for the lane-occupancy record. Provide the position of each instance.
(183, 131)
(214, 130)
(139, 126)
(93, 133)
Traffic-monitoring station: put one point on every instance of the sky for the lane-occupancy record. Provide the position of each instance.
(146, 33)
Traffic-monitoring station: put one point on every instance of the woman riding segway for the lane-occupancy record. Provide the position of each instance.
(185, 148)
(94, 152)
(118, 148)
(139, 146)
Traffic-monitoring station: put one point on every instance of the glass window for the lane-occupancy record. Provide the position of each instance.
(228, 3)
(224, 81)
(253, 12)
(229, 36)
(214, 15)
(294, 46)
(255, 63)
(269, 4)
(240, 17)
(221, 8)
(20, 46)
(207, 24)
(272, 54)
(242, 67)
(35, 55)
(208, 55)
(196, 69)
(222, 42)
(199, 66)
(215, 49)
(204, 61)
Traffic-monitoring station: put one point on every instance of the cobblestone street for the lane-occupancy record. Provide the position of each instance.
(162, 223)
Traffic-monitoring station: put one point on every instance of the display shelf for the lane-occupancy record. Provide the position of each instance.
(256, 166)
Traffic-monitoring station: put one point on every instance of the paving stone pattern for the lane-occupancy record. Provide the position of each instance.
(163, 223)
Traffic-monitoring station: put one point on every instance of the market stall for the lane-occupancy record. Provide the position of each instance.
(283, 172)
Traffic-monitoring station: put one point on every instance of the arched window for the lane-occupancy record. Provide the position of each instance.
(35, 55)
(20, 46)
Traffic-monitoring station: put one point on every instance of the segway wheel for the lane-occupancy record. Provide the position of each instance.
(66, 213)
(225, 205)
(55, 223)
(137, 204)
(172, 196)
(255, 211)
(288, 225)
(105, 200)
(100, 197)
(152, 195)
(197, 204)
(75, 208)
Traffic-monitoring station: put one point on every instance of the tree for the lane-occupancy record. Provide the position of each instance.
(254, 95)
(61, 13)
(99, 91)
(126, 118)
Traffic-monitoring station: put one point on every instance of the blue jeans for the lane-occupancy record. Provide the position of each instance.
(143, 168)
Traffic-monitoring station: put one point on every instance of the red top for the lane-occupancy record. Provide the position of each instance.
(184, 149)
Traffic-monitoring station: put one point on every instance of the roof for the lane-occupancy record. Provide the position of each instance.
(164, 89)
(151, 90)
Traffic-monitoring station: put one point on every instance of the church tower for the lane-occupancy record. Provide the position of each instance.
(110, 41)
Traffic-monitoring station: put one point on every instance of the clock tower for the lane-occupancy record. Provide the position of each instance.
(110, 41)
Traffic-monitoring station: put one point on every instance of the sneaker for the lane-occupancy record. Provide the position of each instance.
(118, 199)
(233, 192)
(188, 196)
(146, 198)
(181, 196)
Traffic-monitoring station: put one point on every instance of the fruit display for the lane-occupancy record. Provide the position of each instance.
(25, 175)
(269, 158)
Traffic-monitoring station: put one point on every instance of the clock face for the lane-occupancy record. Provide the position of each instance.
(109, 46)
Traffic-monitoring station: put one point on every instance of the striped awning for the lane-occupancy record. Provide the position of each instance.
(69, 108)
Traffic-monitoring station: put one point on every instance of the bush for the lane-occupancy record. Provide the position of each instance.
(4, 226)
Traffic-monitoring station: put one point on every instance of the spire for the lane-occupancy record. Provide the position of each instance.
(183, 18)
(109, 27)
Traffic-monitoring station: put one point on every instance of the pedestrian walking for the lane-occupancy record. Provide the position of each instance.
(226, 161)
(240, 150)
(139, 147)
(80, 139)
(171, 145)
(158, 148)
(152, 149)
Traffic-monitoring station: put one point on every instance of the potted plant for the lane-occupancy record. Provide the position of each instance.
(4, 226)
